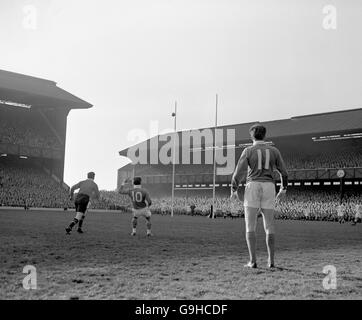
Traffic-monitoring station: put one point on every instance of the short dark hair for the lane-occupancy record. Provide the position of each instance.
(91, 175)
(258, 131)
(137, 181)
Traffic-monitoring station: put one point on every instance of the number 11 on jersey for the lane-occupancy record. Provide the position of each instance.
(260, 159)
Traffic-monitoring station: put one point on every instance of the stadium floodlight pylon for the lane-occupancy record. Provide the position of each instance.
(174, 115)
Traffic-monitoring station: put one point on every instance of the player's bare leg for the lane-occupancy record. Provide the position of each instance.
(251, 242)
(251, 215)
(134, 226)
(268, 219)
(148, 225)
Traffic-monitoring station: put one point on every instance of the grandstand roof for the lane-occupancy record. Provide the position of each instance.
(339, 121)
(37, 92)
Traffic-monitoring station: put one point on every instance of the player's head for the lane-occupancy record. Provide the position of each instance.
(257, 132)
(91, 175)
(137, 181)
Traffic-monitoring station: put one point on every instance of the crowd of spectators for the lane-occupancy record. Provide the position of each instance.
(111, 200)
(344, 158)
(317, 204)
(30, 187)
(299, 204)
(27, 133)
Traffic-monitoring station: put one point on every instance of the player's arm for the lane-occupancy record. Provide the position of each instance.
(148, 199)
(282, 169)
(72, 189)
(96, 193)
(239, 171)
(124, 189)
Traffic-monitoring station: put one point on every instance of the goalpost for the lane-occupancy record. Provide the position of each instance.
(214, 168)
(174, 115)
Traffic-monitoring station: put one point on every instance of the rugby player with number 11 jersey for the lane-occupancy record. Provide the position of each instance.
(260, 159)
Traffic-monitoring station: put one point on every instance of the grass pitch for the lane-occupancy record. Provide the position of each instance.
(188, 258)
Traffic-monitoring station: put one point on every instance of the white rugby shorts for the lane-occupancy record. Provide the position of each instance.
(259, 195)
(144, 212)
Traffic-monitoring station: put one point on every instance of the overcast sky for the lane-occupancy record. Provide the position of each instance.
(267, 59)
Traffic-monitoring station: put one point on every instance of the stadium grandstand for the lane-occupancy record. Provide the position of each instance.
(33, 122)
(323, 153)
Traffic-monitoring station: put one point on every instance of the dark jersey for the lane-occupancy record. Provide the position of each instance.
(261, 160)
(87, 187)
(139, 196)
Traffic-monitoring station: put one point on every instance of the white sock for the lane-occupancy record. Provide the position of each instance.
(148, 231)
(133, 230)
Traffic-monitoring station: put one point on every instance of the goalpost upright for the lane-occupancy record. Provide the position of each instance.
(214, 169)
(174, 115)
